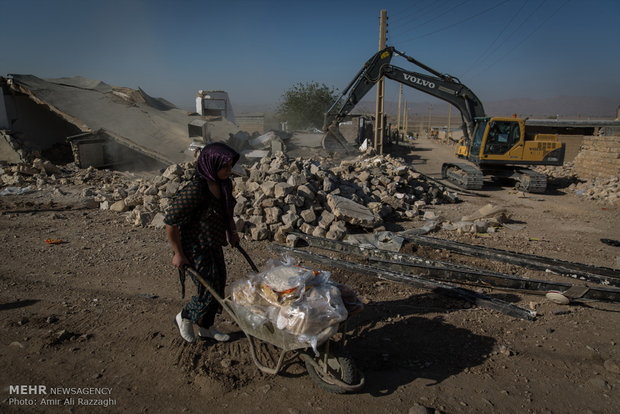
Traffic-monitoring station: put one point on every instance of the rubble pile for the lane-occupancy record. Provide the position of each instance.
(280, 195)
(603, 190)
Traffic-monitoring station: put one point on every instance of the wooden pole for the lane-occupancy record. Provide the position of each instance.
(400, 99)
(379, 126)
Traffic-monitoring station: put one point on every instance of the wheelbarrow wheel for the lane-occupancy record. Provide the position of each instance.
(337, 368)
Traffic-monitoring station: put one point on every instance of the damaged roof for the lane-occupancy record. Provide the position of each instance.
(152, 126)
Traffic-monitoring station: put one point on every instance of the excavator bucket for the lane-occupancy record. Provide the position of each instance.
(333, 141)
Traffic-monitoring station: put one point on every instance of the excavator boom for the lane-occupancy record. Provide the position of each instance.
(445, 87)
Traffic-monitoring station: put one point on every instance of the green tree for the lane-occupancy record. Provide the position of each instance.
(304, 105)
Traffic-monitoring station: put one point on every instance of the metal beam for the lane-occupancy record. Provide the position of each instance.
(437, 269)
(602, 275)
(414, 280)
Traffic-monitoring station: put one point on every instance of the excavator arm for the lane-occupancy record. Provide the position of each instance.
(442, 86)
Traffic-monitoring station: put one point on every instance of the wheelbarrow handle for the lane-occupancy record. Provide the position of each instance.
(247, 257)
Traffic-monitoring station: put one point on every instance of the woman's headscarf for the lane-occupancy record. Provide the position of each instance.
(212, 158)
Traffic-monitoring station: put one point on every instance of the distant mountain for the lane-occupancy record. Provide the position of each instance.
(564, 106)
(573, 106)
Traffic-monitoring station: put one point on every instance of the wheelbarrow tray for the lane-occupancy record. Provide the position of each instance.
(283, 340)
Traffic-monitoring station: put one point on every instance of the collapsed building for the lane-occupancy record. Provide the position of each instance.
(91, 122)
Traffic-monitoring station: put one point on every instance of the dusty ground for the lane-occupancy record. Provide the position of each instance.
(97, 311)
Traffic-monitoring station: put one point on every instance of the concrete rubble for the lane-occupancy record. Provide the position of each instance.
(603, 190)
(277, 195)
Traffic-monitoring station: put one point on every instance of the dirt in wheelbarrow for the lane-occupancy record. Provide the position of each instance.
(91, 318)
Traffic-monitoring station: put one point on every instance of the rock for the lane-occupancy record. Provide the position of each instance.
(158, 221)
(337, 231)
(352, 212)
(104, 205)
(612, 365)
(260, 232)
(281, 190)
(119, 206)
(50, 168)
(308, 216)
(174, 170)
(292, 240)
(268, 188)
(420, 409)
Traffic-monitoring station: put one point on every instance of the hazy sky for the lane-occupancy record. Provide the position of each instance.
(255, 50)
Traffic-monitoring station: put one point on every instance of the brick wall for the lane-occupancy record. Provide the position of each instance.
(599, 157)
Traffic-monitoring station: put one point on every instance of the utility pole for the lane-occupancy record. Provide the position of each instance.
(430, 110)
(379, 126)
(449, 117)
(400, 98)
(406, 116)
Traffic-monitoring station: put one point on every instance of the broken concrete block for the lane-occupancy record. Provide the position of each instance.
(268, 188)
(309, 216)
(326, 219)
(164, 203)
(295, 200)
(319, 232)
(292, 240)
(290, 219)
(305, 191)
(352, 212)
(260, 232)
(151, 190)
(272, 215)
(486, 211)
(256, 220)
(306, 228)
(143, 218)
(330, 184)
(337, 231)
(158, 221)
(282, 190)
(174, 170)
(296, 180)
(480, 226)
(171, 188)
(431, 215)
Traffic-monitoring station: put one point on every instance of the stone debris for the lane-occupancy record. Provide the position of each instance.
(603, 190)
(276, 196)
(383, 240)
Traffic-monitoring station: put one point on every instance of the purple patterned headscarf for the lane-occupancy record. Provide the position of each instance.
(212, 158)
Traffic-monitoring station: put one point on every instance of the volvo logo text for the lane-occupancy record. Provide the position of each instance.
(419, 81)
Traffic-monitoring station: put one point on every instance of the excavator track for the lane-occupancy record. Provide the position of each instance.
(530, 181)
(463, 175)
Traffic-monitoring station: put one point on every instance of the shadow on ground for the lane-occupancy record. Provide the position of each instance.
(393, 351)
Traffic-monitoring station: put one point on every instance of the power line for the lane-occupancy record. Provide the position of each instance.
(421, 15)
(490, 46)
(526, 37)
(459, 22)
(400, 17)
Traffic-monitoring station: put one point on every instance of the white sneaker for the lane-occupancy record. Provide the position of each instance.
(186, 328)
(213, 333)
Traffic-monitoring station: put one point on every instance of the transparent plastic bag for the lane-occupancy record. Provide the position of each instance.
(300, 301)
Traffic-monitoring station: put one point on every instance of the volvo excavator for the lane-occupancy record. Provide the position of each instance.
(494, 146)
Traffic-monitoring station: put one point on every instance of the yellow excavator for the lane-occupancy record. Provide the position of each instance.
(494, 146)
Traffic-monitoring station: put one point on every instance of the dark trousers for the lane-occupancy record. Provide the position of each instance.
(203, 307)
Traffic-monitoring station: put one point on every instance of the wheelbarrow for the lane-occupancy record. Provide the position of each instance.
(330, 367)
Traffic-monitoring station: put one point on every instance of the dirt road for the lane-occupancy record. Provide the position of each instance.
(95, 313)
